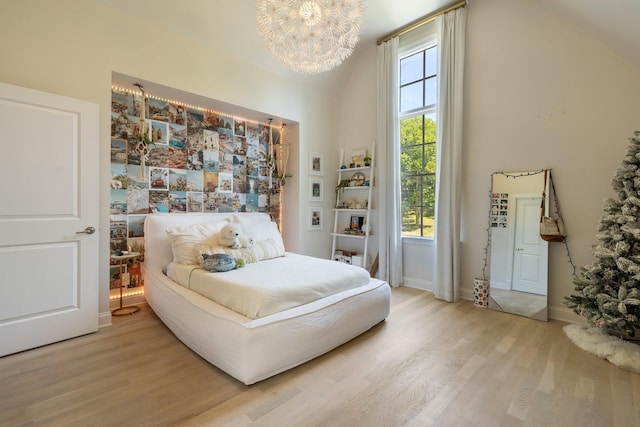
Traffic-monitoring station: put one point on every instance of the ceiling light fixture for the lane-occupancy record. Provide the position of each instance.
(310, 36)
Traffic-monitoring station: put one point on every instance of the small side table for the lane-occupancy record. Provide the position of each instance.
(123, 311)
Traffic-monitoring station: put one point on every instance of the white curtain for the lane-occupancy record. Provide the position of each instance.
(390, 233)
(450, 29)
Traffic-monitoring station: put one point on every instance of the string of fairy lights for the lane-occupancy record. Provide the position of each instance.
(137, 92)
(132, 292)
(485, 258)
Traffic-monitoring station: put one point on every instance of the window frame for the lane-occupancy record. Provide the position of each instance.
(422, 111)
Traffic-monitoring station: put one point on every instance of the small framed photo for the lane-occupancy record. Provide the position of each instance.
(357, 222)
(315, 219)
(315, 164)
(315, 189)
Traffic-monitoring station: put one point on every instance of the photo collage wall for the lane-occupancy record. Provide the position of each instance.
(199, 161)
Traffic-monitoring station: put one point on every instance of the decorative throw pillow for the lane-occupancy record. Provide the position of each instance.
(218, 262)
(265, 231)
(267, 249)
(248, 255)
(184, 240)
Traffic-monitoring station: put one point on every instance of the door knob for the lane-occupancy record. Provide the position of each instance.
(519, 249)
(88, 230)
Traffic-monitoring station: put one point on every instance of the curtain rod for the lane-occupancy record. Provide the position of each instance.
(422, 21)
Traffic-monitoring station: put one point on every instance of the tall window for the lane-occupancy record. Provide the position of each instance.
(418, 98)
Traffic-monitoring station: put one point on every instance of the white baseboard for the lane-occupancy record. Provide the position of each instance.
(412, 282)
(565, 314)
(104, 319)
(466, 294)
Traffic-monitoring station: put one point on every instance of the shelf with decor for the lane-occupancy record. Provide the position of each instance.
(354, 236)
(353, 207)
(351, 210)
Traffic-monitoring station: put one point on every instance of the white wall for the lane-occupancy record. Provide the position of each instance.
(71, 47)
(539, 93)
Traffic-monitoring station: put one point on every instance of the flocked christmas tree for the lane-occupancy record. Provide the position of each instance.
(608, 291)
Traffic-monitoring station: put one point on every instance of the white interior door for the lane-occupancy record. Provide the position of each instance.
(530, 251)
(49, 175)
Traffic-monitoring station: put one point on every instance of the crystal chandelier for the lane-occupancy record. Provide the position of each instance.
(310, 36)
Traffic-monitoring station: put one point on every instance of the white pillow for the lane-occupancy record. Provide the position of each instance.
(268, 248)
(264, 231)
(261, 250)
(184, 240)
(249, 255)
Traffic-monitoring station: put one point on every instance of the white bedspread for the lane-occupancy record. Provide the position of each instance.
(271, 286)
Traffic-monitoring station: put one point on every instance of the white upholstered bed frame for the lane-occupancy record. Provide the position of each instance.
(252, 349)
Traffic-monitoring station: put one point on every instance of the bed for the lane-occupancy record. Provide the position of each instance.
(250, 347)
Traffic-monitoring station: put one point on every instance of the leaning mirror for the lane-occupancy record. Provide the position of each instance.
(518, 272)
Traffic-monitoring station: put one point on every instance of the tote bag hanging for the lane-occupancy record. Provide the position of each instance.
(551, 229)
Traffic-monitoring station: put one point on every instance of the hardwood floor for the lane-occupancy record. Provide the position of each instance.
(429, 363)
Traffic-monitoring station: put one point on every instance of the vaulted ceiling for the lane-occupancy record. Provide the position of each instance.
(229, 25)
(614, 22)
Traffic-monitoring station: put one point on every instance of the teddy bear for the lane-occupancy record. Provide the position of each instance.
(231, 235)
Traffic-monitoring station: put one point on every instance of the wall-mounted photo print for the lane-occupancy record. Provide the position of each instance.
(177, 154)
(315, 219)
(135, 225)
(210, 140)
(195, 202)
(119, 177)
(118, 205)
(159, 132)
(138, 201)
(315, 189)
(158, 109)
(158, 178)
(315, 164)
(119, 151)
(239, 127)
(158, 201)
(178, 179)
(225, 183)
(177, 201)
(158, 156)
(195, 180)
(178, 133)
(210, 181)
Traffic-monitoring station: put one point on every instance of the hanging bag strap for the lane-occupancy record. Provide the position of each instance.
(552, 190)
(544, 195)
(551, 229)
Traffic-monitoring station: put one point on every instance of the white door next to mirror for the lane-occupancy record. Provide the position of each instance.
(530, 251)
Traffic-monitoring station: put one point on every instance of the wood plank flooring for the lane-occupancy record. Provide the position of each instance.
(429, 364)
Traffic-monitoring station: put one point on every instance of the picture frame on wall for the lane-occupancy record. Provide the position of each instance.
(315, 189)
(316, 164)
(315, 218)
